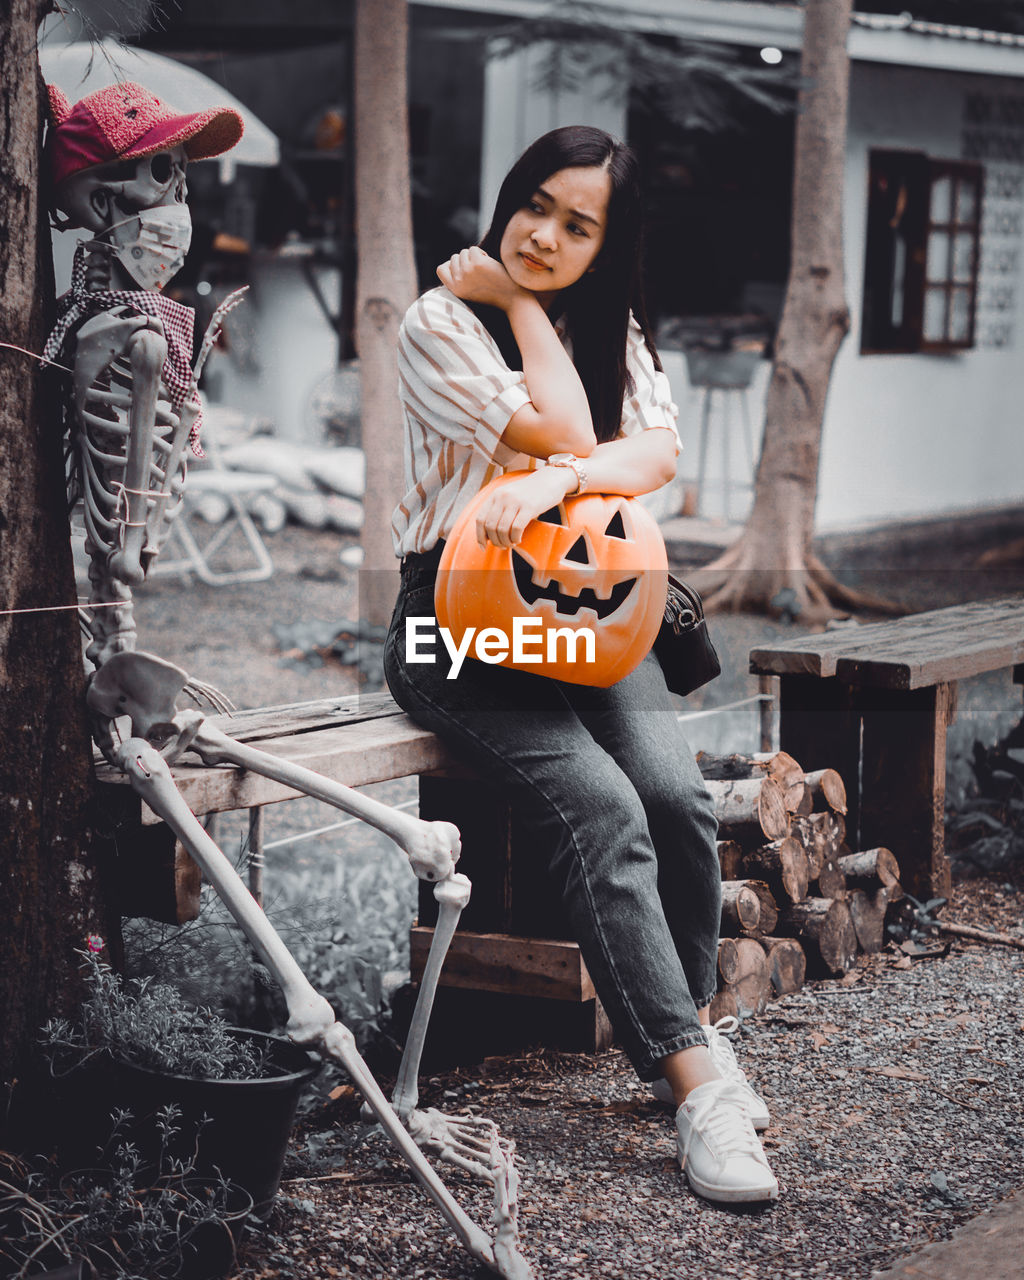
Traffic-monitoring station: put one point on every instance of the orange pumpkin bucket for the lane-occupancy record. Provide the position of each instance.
(595, 562)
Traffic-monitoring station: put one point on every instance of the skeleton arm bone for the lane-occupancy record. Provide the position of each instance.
(432, 847)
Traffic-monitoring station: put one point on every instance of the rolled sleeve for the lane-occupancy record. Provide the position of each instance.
(650, 407)
(454, 378)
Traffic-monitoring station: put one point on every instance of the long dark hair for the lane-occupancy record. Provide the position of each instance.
(597, 306)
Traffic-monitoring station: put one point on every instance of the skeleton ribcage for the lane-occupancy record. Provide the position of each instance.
(101, 432)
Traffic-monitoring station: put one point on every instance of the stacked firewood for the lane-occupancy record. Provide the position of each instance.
(797, 902)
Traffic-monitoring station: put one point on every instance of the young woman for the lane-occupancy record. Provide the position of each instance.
(535, 355)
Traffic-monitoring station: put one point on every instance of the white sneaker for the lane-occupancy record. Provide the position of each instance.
(718, 1148)
(724, 1058)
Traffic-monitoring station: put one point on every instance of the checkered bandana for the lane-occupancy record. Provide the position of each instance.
(178, 322)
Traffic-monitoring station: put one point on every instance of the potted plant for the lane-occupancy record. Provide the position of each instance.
(121, 1219)
(136, 1046)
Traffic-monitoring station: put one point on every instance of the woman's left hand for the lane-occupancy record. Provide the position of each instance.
(503, 520)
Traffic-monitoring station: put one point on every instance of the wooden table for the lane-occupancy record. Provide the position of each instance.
(875, 702)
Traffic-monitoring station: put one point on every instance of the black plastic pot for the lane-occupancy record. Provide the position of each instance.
(243, 1125)
(79, 1270)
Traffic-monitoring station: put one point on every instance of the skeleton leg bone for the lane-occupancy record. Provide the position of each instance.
(432, 847)
(311, 1019)
(452, 896)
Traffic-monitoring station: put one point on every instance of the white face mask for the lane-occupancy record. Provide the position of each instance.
(157, 249)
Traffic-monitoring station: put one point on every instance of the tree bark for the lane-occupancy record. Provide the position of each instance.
(51, 881)
(769, 915)
(867, 911)
(830, 879)
(730, 859)
(386, 284)
(771, 567)
(822, 836)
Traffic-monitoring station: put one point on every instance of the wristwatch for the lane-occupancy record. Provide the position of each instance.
(575, 464)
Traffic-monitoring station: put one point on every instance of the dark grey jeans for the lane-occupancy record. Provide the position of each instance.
(607, 781)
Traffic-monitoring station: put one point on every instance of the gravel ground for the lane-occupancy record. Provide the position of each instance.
(895, 1094)
(896, 1116)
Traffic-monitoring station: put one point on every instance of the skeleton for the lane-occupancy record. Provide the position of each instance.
(129, 435)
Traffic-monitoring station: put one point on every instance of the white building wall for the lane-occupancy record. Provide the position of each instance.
(516, 112)
(918, 434)
(905, 435)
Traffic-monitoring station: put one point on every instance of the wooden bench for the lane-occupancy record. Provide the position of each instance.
(505, 944)
(875, 702)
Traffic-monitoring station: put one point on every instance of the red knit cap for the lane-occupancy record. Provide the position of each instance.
(126, 122)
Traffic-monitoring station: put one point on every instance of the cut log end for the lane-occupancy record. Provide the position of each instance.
(783, 865)
(826, 927)
(787, 965)
(741, 907)
(827, 786)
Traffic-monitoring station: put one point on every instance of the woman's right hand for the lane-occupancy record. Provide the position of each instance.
(474, 276)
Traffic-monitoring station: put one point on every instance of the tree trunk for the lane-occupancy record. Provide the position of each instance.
(386, 284)
(770, 567)
(51, 887)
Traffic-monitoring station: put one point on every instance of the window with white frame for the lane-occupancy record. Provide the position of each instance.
(921, 253)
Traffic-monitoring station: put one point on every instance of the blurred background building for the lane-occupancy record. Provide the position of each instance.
(924, 407)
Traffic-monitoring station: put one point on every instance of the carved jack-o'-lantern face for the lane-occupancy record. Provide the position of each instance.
(596, 561)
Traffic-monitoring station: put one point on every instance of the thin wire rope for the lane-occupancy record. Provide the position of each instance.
(726, 706)
(57, 608)
(320, 831)
(10, 346)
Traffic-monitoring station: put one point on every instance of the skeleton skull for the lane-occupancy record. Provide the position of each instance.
(109, 194)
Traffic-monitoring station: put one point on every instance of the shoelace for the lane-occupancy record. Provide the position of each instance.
(720, 1117)
(721, 1050)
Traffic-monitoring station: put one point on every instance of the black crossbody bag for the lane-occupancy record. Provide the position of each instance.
(683, 645)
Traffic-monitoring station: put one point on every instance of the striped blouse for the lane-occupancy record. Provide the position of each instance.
(458, 395)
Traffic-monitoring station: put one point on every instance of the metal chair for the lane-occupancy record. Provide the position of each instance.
(197, 558)
(234, 487)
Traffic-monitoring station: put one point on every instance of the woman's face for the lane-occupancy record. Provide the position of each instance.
(554, 238)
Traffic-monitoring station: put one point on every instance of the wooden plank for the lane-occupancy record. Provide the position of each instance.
(355, 754)
(304, 717)
(288, 718)
(903, 783)
(508, 965)
(913, 652)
